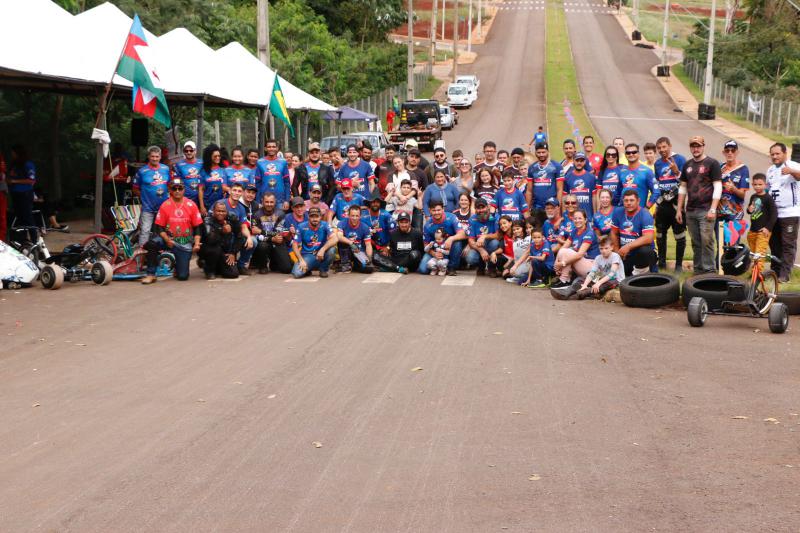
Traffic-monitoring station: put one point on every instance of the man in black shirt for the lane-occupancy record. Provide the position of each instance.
(701, 189)
(221, 241)
(272, 251)
(415, 170)
(405, 248)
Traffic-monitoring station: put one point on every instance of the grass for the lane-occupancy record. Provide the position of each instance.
(561, 81)
(687, 81)
(431, 87)
(681, 23)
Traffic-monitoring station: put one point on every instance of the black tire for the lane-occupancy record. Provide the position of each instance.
(778, 318)
(649, 290)
(697, 312)
(713, 288)
(791, 300)
(51, 277)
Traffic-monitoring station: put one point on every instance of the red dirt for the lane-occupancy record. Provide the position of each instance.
(423, 30)
(703, 11)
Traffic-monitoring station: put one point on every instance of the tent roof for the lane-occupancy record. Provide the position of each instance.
(349, 113)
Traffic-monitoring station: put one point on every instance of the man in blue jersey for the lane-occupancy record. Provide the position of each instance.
(378, 220)
(668, 167)
(188, 170)
(342, 201)
(454, 237)
(358, 171)
(313, 245)
(580, 183)
(543, 180)
(735, 184)
(234, 206)
(272, 173)
(482, 237)
(355, 243)
(632, 235)
(639, 177)
(150, 185)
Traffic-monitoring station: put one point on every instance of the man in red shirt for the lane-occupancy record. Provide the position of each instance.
(177, 229)
(592, 158)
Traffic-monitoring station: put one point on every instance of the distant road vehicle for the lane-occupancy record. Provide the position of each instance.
(340, 141)
(376, 139)
(471, 81)
(448, 117)
(459, 95)
(419, 120)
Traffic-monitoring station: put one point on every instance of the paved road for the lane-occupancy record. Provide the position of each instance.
(620, 93)
(510, 67)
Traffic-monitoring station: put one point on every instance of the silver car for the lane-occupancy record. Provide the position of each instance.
(448, 117)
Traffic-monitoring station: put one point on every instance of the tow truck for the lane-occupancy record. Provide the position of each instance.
(419, 120)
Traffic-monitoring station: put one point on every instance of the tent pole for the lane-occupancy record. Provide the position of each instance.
(262, 131)
(98, 181)
(201, 105)
(306, 119)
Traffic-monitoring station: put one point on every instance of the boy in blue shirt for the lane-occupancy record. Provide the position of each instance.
(509, 200)
(542, 260)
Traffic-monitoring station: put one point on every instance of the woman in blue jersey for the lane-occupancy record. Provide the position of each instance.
(602, 218)
(578, 251)
(238, 172)
(213, 179)
(610, 175)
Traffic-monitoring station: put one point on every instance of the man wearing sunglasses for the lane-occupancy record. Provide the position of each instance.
(639, 177)
(177, 229)
(188, 170)
(735, 184)
(700, 189)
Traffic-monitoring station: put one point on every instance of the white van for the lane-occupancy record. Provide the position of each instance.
(459, 95)
(471, 81)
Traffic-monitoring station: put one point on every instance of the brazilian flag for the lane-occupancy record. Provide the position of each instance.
(277, 105)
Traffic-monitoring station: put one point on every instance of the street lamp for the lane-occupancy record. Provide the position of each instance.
(706, 111)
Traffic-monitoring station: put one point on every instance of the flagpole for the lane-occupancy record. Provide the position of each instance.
(107, 90)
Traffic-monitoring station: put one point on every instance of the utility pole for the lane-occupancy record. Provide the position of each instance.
(455, 44)
(710, 57)
(665, 35)
(444, 17)
(433, 34)
(265, 57)
(480, 18)
(469, 29)
(635, 13)
(410, 66)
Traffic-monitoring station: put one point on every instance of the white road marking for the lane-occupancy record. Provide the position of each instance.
(224, 279)
(307, 279)
(604, 117)
(383, 277)
(462, 280)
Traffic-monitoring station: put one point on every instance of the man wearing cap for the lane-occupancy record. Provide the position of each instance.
(639, 177)
(518, 168)
(313, 245)
(580, 183)
(555, 228)
(454, 237)
(296, 216)
(342, 201)
(700, 189)
(176, 228)
(150, 185)
(248, 201)
(273, 174)
(439, 163)
(355, 238)
(315, 200)
(358, 171)
(310, 173)
(188, 170)
(412, 144)
(272, 250)
(378, 220)
(482, 237)
(405, 248)
(543, 180)
(735, 184)
(783, 177)
(415, 171)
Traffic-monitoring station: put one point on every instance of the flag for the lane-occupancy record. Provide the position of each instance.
(137, 66)
(754, 106)
(277, 105)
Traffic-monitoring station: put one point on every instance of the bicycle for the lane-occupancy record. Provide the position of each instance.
(756, 299)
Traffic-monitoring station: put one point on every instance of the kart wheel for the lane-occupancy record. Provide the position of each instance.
(697, 312)
(102, 246)
(166, 262)
(52, 277)
(778, 318)
(102, 273)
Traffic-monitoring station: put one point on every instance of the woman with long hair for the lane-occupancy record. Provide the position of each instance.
(213, 179)
(610, 175)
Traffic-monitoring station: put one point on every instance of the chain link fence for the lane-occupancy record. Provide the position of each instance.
(766, 112)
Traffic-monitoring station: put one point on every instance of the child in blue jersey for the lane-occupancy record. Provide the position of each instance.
(273, 174)
(606, 273)
(541, 260)
(509, 200)
(189, 170)
(580, 183)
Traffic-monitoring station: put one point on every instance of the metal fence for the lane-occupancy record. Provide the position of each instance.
(766, 112)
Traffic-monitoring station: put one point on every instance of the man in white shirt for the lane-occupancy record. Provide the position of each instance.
(783, 177)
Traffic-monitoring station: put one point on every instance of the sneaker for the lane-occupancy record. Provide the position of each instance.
(61, 227)
(783, 279)
(346, 269)
(537, 284)
(263, 271)
(433, 272)
(441, 272)
(511, 280)
(480, 272)
(243, 271)
(451, 272)
(323, 274)
(211, 277)
(643, 270)
(402, 270)
(557, 284)
(148, 280)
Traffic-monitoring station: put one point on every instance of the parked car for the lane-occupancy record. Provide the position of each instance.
(376, 139)
(448, 117)
(471, 80)
(459, 95)
(340, 141)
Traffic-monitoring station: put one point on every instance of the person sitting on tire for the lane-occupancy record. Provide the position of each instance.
(176, 228)
(355, 243)
(221, 243)
(607, 271)
(577, 253)
(405, 248)
(633, 234)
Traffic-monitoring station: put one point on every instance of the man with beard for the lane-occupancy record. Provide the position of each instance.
(405, 248)
(668, 171)
(482, 237)
(272, 251)
(543, 180)
(273, 174)
(310, 173)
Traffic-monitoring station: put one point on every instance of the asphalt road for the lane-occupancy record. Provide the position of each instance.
(435, 407)
(621, 95)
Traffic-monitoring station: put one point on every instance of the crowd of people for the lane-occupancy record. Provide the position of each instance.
(523, 216)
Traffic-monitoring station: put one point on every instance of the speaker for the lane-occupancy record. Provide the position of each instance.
(706, 112)
(662, 71)
(636, 35)
(140, 132)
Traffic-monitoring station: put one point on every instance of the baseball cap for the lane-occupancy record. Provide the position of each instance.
(297, 201)
(551, 201)
(697, 139)
(316, 187)
(481, 202)
(411, 143)
(250, 187)
(313, 146)
(314, 211)
(175, 182)
(190, 144)
(517, 151)
(404, 216)
(580, 155)
(415, 152)
(346, 183)
(732, 144)
(541, 146)
(439, 149)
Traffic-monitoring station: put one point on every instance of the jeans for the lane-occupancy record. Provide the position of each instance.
(245, 254)
(521, 274)
(704, 241)
(146, 219)
(409, 261)
(314, 264)
(474, 257)
(455, 258)
(642, 257)
(540, 270)
(183, 257)
(783, 244)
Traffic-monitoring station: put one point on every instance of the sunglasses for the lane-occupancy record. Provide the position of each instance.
(186, 150)
(632, 152)
(570, 203)
(176, 188)
(612, 155)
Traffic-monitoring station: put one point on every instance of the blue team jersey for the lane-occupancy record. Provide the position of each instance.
(511, 203)
(539, 137)
(449, 225)
(583, 187)
(360, 235)
(478, 227)
(290, 223)
(190, 174)
(664, 176)
(610, 179)
(731, 207)
(311, 240)
(603, 222)
(642, 180)
(545, 250)
(631, 227)
(26, 171)
(242, 175)
(361, 174)
(212, 185)
(585, 236)
(152, 183)
(339, 205)
(273, 176)
(543, 180)
(381, 225)
(237, 209)
(552, 231)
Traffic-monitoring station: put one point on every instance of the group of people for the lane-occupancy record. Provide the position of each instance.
(533, 220)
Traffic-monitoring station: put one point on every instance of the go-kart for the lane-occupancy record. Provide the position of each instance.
(78, 262)
(16, 270)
